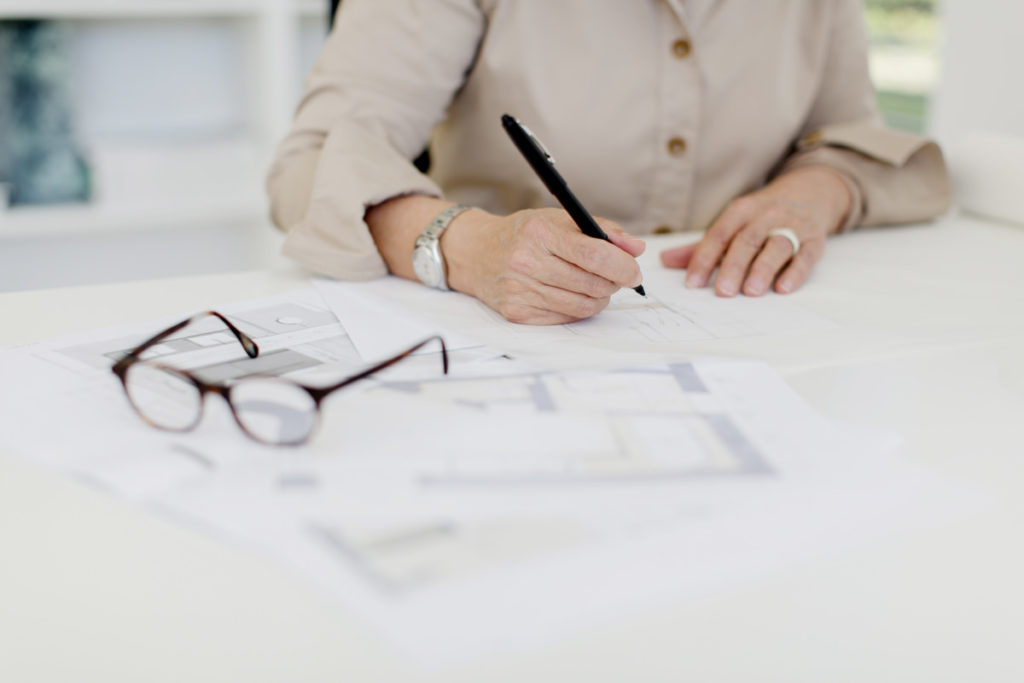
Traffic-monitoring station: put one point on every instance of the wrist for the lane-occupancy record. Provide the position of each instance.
(834, 192)
(460, 249)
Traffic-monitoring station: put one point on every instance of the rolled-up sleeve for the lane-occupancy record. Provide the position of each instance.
(382, 83)
(893, 176)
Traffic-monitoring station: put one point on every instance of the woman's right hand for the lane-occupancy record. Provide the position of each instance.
(536, 267)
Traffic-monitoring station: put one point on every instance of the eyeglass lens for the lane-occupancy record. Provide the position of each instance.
(273, 410)
(163, 397)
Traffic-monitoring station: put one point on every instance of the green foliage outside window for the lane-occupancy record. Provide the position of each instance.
(904, 37)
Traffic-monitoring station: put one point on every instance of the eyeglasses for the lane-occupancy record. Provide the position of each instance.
(271, 410)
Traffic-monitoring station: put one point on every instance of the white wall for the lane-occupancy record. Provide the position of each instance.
(977, 113)
(982, 83)
(199, 249)
(159, 79)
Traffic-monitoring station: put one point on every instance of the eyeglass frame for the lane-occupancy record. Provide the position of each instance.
(318, 394)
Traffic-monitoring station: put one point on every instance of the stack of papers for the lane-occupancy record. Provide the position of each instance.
(511, 503)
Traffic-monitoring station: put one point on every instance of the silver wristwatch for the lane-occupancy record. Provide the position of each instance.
(426, 255)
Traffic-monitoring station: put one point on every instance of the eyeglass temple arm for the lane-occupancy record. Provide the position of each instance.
(320, 393)
(250, 347)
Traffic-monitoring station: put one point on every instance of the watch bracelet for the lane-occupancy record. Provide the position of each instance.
(432, 234)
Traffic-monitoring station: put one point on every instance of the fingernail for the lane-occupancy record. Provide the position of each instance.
(755, 286)
(727, 289)
(784, 286)
(693, 281)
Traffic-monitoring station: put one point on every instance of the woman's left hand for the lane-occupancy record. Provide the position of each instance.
(812, 201)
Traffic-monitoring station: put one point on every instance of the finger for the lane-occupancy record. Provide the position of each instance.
(678, 257)
(800, 267)
(745, 246)
(572, 305)
(533, 263)
(545, 305)
(712, 247)
(776, 251)
(631, 244)
(530, 315)
(598, 257)
(556, 272)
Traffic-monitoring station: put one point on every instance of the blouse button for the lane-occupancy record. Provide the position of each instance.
(662, 230)
(681, 48)
(677, 147)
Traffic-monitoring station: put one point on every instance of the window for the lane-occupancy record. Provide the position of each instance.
(904, 59)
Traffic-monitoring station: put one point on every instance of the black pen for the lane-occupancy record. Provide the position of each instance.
(544, 165)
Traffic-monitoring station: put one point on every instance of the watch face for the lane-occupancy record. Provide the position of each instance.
(427, 269)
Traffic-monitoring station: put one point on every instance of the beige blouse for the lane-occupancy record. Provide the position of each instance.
(658, 113)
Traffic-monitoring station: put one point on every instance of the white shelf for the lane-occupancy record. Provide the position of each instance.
(113, 9)
(160, 207)
(85, 219)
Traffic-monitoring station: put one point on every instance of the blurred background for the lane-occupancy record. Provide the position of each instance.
(135, 134)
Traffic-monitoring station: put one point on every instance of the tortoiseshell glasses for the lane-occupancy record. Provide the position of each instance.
(269, 409)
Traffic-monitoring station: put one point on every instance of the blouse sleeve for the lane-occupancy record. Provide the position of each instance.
(893, 177)
(381, 84)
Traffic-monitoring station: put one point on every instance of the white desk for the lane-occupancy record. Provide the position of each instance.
(92, 589)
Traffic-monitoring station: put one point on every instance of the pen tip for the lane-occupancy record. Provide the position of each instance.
(639, 289)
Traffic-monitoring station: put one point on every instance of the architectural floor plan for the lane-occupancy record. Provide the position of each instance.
(502, 491)
(654, 423)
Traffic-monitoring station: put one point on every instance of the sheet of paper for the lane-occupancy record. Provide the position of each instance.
(383, 325)
(390, 312)
(492, 511)
(499, 524)
(104, 442)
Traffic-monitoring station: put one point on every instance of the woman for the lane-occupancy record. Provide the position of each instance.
(754, 122)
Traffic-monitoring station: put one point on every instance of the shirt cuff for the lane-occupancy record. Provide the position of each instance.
(357, 169)
(893, 177)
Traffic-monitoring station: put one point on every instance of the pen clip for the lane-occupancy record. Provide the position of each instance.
(537, 142)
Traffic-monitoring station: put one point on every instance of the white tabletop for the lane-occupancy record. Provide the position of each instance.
(930, 348)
